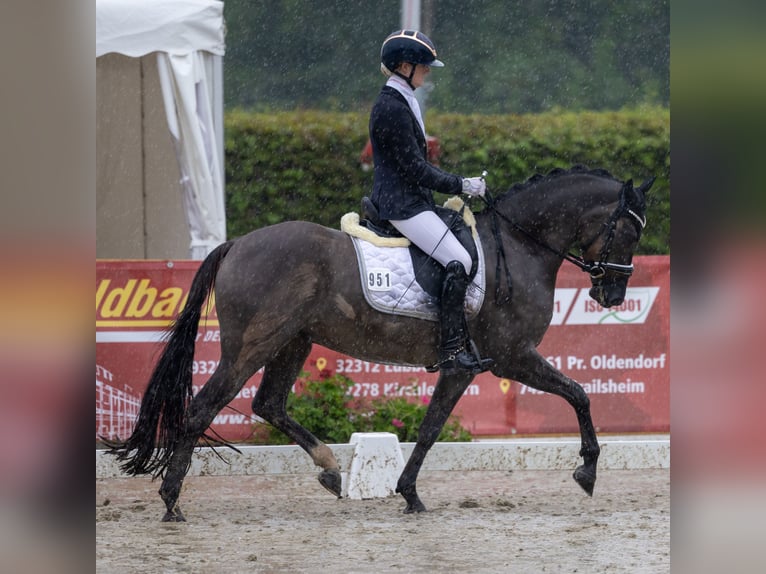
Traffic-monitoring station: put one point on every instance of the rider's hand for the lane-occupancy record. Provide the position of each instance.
(474, 186)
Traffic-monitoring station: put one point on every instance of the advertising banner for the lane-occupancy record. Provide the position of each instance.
(619, 355)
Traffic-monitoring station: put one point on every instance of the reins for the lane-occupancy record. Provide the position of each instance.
(490, 203)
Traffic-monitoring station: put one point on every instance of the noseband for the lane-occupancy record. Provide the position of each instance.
(596, 269)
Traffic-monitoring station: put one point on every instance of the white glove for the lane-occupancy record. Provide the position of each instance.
(474, 186)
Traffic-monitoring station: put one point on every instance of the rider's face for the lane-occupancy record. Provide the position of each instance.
(419, 77)
(421, 71)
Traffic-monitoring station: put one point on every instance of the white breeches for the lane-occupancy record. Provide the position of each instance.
(431, 234)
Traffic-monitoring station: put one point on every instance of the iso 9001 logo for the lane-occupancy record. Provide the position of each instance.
(575, 307)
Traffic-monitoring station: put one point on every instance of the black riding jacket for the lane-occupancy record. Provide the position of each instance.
(404, 181)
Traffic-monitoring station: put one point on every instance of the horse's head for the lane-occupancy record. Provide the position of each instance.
(608, 253)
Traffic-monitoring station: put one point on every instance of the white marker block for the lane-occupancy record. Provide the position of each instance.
(376, 465)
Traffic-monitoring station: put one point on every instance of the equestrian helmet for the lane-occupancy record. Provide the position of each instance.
(408, 46)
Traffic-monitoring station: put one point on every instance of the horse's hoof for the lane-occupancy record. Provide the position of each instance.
(411, 497)
(330, 479)
(586, 479)
(174, 515)
(413, 507)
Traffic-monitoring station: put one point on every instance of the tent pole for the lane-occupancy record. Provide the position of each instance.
(218, 123)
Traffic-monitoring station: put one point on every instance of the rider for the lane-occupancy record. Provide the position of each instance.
(404, 183)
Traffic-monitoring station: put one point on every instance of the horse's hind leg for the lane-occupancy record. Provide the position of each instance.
(219, 391)
(270, 403)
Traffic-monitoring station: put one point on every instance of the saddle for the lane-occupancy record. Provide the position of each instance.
(429, 273)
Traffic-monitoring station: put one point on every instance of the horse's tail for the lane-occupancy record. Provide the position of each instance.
(162, 416)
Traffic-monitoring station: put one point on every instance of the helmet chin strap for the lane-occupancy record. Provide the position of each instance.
(408, 79)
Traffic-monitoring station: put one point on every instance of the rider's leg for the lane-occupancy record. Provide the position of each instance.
(456, 352)
(431, 234)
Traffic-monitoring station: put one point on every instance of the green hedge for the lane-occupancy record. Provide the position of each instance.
(305, 164)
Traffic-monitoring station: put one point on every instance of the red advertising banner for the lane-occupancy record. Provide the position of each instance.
(619, 355)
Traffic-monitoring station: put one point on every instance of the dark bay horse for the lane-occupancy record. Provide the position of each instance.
(282, 288)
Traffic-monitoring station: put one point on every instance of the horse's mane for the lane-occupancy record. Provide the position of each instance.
(555, 174)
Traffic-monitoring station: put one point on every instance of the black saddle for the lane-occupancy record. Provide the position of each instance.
(429, 273)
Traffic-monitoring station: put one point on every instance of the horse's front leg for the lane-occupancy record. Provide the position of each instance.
(539, 374)
(448, 391)
(585, 474)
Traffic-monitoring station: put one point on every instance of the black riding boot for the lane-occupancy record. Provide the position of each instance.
(457, 351)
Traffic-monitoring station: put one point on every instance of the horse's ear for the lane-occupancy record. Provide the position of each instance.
(644, 187)
(633, 197)
(626, 191)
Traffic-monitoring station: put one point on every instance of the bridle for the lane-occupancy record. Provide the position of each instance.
(596, 269)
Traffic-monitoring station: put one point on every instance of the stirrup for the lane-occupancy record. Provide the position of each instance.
(462, 359)
(468, 364)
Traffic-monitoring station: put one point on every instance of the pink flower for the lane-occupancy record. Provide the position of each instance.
(397, 423)
(425, 399)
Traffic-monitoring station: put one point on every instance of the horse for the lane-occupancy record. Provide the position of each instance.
(281, 288)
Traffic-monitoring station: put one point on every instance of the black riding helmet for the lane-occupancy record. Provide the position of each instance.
(408, 46)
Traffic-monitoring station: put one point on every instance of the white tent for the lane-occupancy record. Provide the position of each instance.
(179, 44)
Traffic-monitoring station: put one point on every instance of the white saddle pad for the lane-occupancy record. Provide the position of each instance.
(389, 285)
